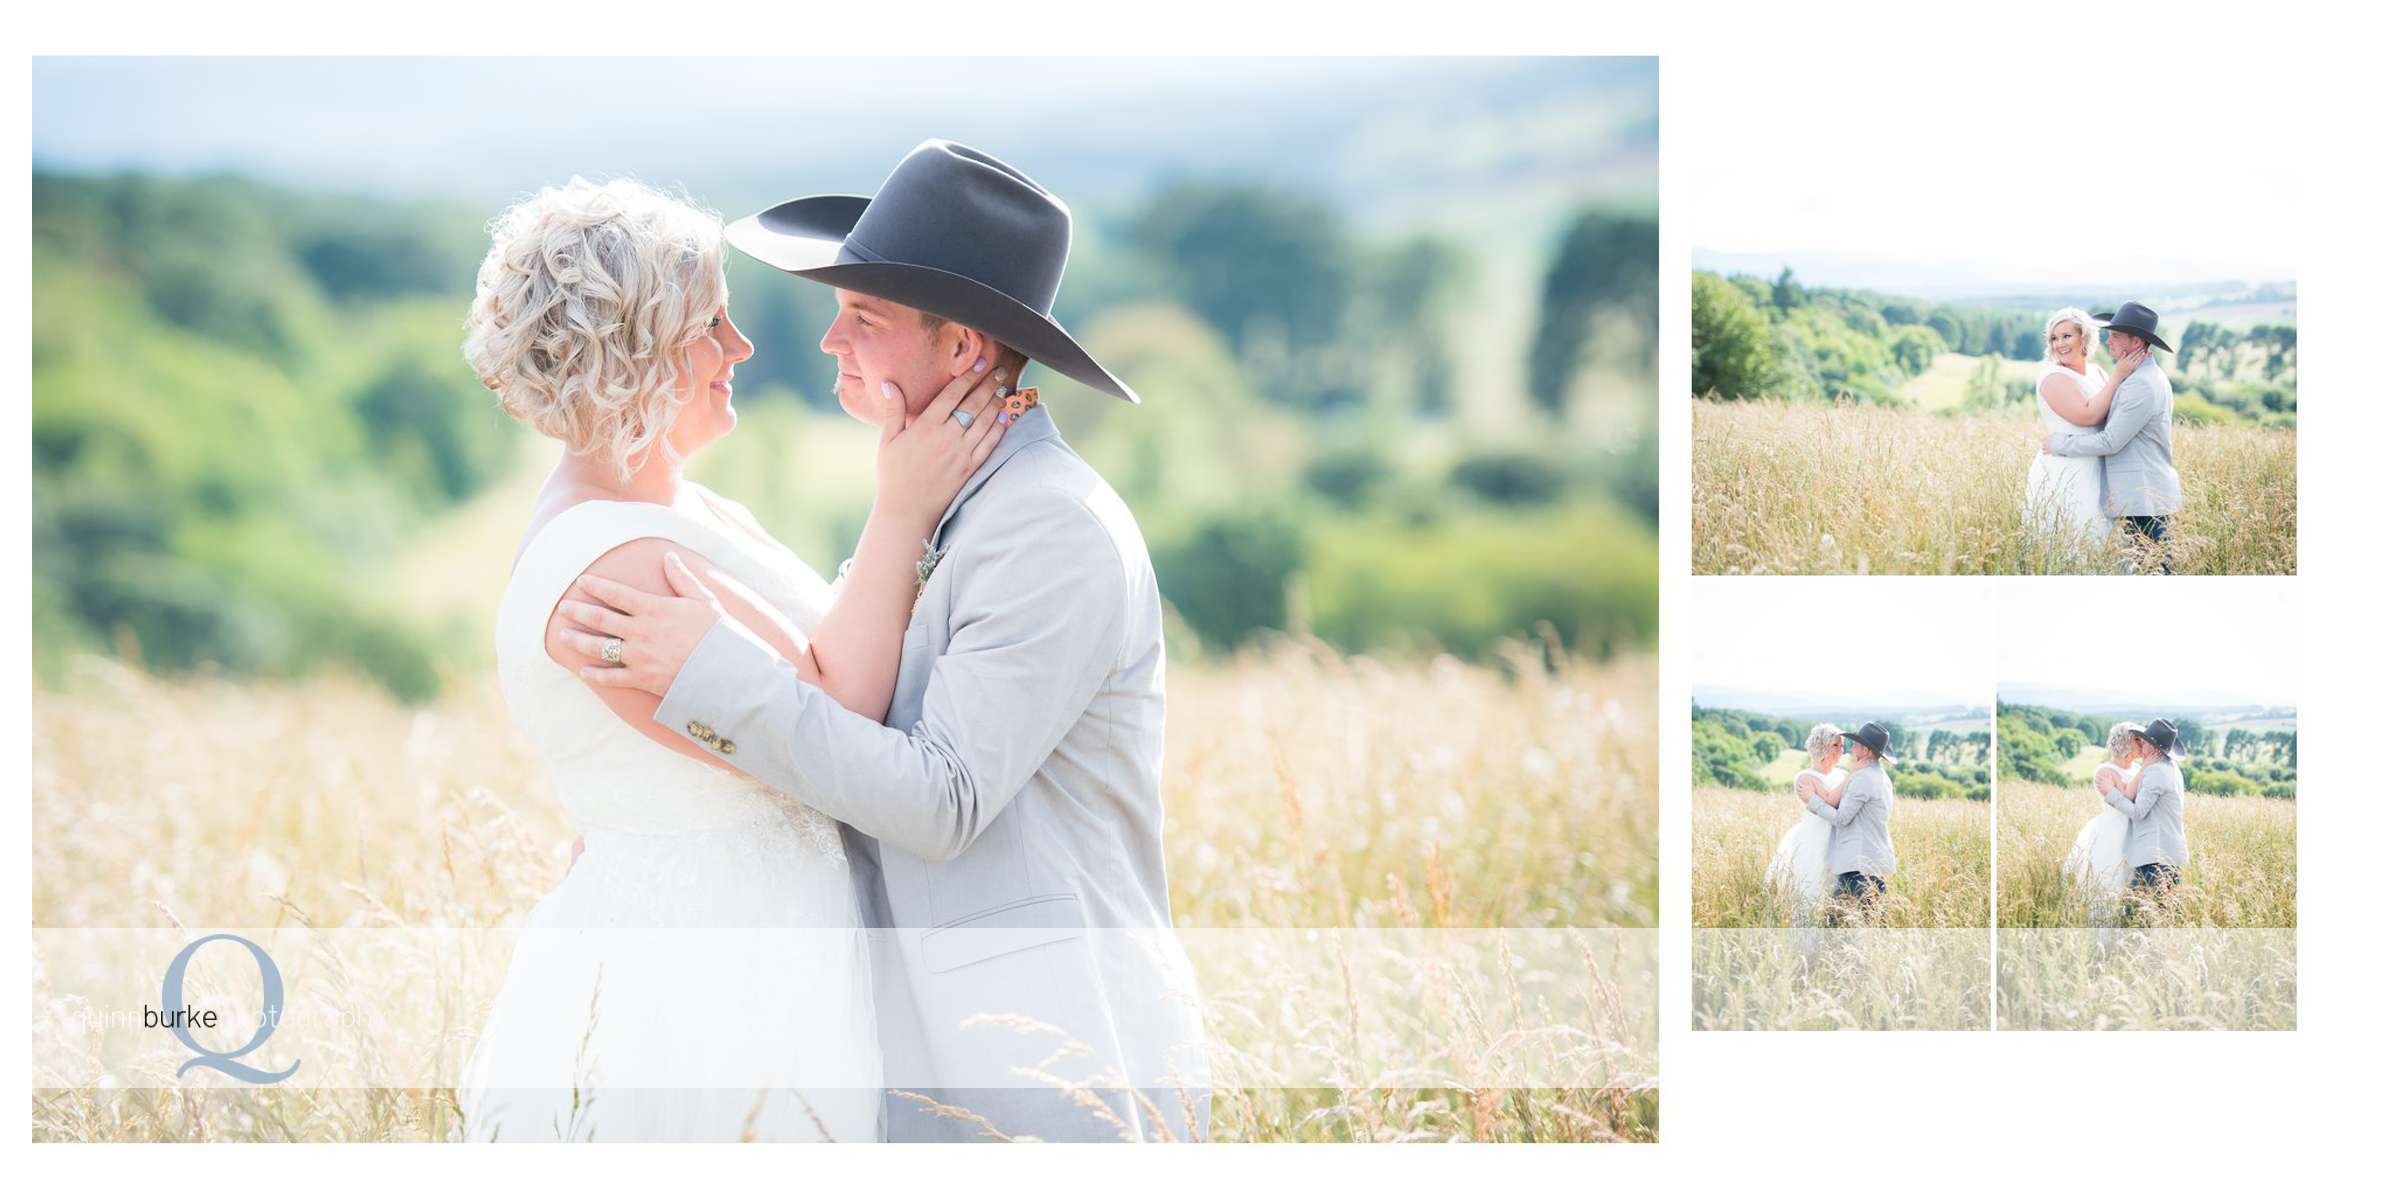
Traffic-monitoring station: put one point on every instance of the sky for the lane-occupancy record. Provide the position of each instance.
(755, 130)
(2196, 643)
(1997, 229)
(1847, 642)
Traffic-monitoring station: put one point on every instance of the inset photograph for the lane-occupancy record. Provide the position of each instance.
(2149, 815)
(1841, 816)
(1929, 375)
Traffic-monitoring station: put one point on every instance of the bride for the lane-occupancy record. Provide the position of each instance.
(2096, 865)
(2064, 495)
(1798, 872)
(701, 973)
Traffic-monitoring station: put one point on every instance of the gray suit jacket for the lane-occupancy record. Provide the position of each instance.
(2156, 810)
(1005, 821)
(2136, 446)
(1862, 825)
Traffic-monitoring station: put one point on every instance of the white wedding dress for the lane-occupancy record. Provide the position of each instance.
(1798, 870)
(700, 975)
(2096, 865)
(2061, 492)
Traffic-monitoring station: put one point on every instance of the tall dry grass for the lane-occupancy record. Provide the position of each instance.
(1760, 963)
(1802, 489)
(1841, 979)
(1304, 789)
(1944, 879)
(2243, 873)
(2148, 979)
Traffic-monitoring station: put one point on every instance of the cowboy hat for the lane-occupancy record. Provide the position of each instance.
(953, 232)
(2137, 319)
(1874, 737)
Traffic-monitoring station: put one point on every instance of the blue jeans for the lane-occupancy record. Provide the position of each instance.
(2153, 888)
(1856, 897)
(2152, 531)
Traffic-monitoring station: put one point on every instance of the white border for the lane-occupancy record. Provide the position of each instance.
(1747, 84)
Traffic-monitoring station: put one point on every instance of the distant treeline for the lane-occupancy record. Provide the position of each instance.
(245, 399)
(2036, 744)
(1731, 746)
(241, 398)
(1752, 338)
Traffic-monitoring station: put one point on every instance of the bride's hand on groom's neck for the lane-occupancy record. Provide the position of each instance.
(922, 461)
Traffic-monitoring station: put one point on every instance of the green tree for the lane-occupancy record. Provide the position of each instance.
(1788, 292)
(1271, 271)
(1915, 347)
(1606, 263)
(1412, 292)
(1732, 357)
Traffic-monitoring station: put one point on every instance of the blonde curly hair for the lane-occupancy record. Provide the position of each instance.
(2120, 738)
(2086, 328)
(584, 307)
(1820, 736)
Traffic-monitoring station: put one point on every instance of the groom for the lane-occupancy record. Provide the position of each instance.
(2136, 443)
(1861, 855)
(2154, 845)
(1004, 823)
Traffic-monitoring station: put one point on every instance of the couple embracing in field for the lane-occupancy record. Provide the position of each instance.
(880, 858)
(2129, 859)
(2105, 460)
(1836, 862)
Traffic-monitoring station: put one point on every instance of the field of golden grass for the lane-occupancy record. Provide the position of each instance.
(1841, 979)
(1758, 964)
(2244, 870)
(2148, 979)
(1944, 879)
(1786, 489)
(1304, 789)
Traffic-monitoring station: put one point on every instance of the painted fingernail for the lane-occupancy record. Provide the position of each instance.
(887, 389)
(979, 364)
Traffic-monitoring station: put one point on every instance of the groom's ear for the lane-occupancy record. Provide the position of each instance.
(961, 346)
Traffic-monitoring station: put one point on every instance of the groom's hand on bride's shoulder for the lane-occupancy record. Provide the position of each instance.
(658, 633)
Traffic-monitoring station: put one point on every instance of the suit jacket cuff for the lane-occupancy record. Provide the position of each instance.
(696, 702)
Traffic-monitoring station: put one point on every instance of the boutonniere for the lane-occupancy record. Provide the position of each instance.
(925, 565)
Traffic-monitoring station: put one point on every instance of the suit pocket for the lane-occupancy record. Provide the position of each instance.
(1018, 925)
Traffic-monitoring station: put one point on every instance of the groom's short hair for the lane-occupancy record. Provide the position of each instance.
(1010, 356)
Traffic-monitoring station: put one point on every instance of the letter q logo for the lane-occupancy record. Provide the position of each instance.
(269, 1014)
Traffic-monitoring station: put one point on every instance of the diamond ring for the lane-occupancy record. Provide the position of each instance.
(965, 419)
(612, 650)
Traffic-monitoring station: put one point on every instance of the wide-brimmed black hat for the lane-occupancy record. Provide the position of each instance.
(2137, 319)
(1874, 737)
(952, 231)
(2161, 733)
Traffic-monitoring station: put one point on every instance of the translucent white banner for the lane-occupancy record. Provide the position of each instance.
(838, 1010)
(1808, 978)
(2131, 979)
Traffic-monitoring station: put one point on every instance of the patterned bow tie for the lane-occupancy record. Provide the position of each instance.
(1017, 403)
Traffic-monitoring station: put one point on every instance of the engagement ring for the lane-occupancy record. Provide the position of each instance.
(612, 649)
(965, 419)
